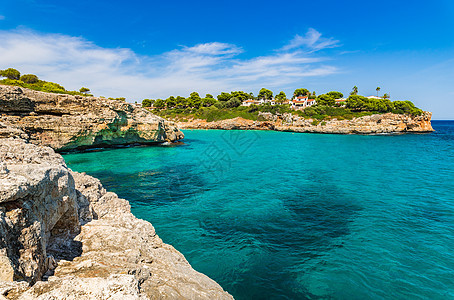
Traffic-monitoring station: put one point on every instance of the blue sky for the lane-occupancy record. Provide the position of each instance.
(154, 49)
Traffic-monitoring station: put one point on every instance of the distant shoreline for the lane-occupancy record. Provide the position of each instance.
(388, 123)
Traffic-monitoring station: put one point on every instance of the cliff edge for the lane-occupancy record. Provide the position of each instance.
(63, 236)
(65, 122)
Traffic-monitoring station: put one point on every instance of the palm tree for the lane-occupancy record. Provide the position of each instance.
(378, 90)
(354, 91)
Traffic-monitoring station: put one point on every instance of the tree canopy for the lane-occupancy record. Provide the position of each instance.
(335, 95)
(325, 99)
(240, 95)
(265, 94)
(10, 73)
(301, 92)
(147, 102)
(84, 90)
(233, 102)
(281, 97)
(194, 100)
(29, 78)
(223, 96)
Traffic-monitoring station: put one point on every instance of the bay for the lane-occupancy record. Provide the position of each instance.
(278, 215)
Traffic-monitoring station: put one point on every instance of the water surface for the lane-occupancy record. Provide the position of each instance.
(275, 215)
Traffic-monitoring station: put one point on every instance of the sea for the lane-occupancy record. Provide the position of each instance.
(280, 215)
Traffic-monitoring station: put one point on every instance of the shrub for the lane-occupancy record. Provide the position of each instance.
(147, 102)
(29, 78)
(233, 102)
(84, 90)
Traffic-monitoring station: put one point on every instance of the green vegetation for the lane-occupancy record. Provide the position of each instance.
(84, 90)
(265, 94)
(215, 114)
(29, 78)
(325, 99)
(335, 95)
(281, 97)
(301, 92)
(229, 106)
(10, 73)
(32, 82)
(358, 103)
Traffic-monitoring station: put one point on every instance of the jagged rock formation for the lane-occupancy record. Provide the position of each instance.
(374, 124)
(64, 227)
(65, 122)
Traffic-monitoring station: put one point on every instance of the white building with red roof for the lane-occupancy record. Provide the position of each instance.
(301, 102)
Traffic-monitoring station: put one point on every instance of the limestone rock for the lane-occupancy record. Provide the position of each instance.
(374, 124)
(65, 228)
(37, 198)
(66, 122)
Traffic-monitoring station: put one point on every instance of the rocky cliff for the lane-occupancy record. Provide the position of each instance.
(374, 124)
(66, 122)
(63, 236)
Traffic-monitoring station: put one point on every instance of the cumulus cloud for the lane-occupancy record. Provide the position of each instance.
(207, 68)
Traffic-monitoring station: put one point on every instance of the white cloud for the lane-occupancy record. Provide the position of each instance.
(207, 68)
(313, 40)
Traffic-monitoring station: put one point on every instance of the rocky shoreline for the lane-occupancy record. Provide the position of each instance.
(62, 235)
(373, 124)
(65, 122)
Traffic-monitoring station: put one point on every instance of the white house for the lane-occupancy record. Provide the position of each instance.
(310, 102)
(249, 102)
(302, 102)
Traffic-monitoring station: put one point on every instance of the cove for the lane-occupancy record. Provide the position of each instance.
(277, 215)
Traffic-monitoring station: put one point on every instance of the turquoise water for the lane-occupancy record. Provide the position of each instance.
(275, 215)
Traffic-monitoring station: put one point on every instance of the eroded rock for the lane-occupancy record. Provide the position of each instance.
(66, 122)
(65, 228)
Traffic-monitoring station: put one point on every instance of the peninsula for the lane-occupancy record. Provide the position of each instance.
(305, 112)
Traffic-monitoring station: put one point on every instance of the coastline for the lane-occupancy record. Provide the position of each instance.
(61, 233)
(77, 236)
(374, 124)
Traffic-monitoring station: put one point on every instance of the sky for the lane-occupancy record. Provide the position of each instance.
(154, 49)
